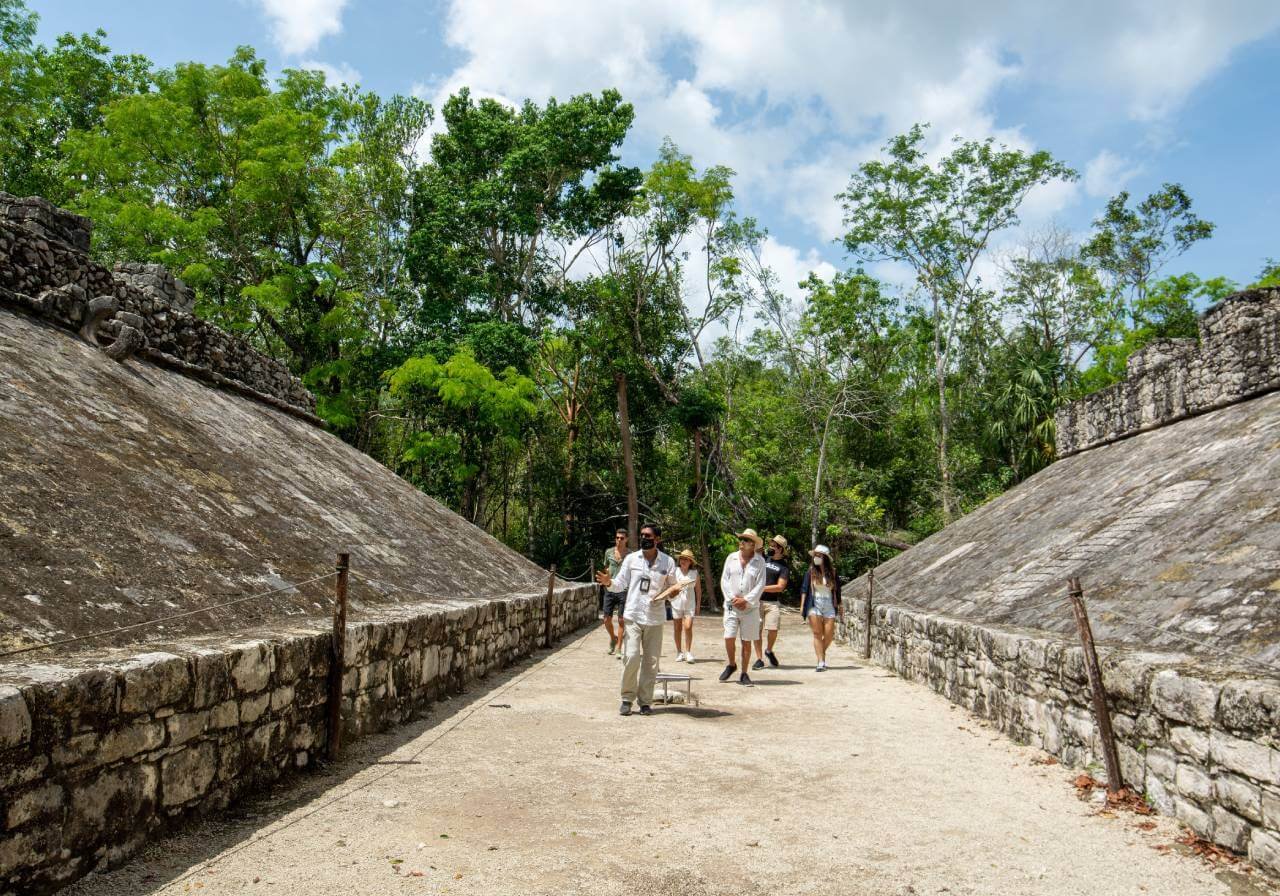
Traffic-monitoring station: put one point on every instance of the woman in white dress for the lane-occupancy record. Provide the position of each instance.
(686, 595)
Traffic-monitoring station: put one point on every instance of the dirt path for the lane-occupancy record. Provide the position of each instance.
(849, 781)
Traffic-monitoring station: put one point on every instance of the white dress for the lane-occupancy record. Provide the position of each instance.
(686, 601)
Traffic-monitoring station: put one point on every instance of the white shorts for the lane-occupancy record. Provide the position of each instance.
(682, 607)
(744, 626)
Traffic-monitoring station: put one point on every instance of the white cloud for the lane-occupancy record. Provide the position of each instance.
(298, 26)
(793, 266)
(1107, 173)
(334, 75)
(794, 94)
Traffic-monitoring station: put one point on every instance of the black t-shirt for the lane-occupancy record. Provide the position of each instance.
(774, 570)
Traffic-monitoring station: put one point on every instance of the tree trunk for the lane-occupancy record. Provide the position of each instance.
(710, 582)
(940, 371)
(633, 497)
(817, 479)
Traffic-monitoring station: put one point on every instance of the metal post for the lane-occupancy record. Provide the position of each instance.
(551, 590)
(871, 594)
(1115, 783)
(338, 655)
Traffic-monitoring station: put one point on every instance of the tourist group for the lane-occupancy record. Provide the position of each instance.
(645, 588)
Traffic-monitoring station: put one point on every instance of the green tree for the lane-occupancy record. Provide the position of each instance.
(938, 219)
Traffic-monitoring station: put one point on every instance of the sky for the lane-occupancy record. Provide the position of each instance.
(794, 94)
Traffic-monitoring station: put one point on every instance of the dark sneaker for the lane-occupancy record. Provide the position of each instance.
(728, 671)
(773, 660)
(646, 709)
(625, 709)
(612, 648)
(744, 678)
(757, 665)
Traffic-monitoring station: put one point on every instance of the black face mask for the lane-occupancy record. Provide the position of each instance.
(647, 543)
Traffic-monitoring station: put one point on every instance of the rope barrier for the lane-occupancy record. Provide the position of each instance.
(125, 628)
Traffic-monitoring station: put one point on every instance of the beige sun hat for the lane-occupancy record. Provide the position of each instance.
(687, 554)
(821, 549)
(780, 541)
(755, 539)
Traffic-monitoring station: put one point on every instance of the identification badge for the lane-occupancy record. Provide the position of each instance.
(644, 585)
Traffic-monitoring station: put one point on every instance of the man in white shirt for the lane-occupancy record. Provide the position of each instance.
(644, 575)
(742, 584)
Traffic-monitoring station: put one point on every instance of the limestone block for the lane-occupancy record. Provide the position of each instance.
(1251, 759)
(1264, 849)
(1126, 678)
(1250, 706)
(1193, 817)
(252, 708)
(38, 802)
(292, 658)
(1184, 698)
(225, 715)
(1158, 794)
(1239, 795)
(15, 774)
(15, 718)
(122, 743)
(211, 678)
(1162, 763)
(282, 698)
(109, 803)
(1271, 808)
(186, 776)
(1191, 742)
(1230, 830)
(251, 666)
(184, 726)
(30, 848)
(1193, 781)
(152, 680)
(1133, 767)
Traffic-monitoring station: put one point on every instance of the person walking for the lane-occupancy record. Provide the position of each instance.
(742, 583)
(613, 601)
(685, 595)
(644, 575)
(776, 575)
(820, 602)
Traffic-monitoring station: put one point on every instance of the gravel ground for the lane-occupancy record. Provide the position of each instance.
(849, 781)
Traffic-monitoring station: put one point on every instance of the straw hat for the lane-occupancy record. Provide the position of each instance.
(821, 549)
(751, 534)
(780, 541)
(687, 554)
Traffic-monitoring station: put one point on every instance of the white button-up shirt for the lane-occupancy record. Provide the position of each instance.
(644, 581)
(746, 580)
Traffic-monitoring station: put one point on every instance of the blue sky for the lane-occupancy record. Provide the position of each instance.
(793, 94)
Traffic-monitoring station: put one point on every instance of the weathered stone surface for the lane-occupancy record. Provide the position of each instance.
(121, 743)
(1193, 781)
(1230, 830)
(1185, 698)
(38, 802)
(184, 726)
(1264, 849)
(186, 775)
(1190, 742)
(251, 667)
(15, 718)
(1239, 795)
(152, 680)
(109, 803)
(1248, 758)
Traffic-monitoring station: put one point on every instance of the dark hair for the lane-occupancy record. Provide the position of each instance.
(622, 532)
(654, 528)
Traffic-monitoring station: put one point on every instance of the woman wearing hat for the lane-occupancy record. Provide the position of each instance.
(687, 594)
(820, 593)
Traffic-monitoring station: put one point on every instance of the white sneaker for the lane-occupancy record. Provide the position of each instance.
(688, 657)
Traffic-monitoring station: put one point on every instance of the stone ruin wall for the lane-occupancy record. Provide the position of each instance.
(96, 759)
(141, 309)
(1199, 743)
(1236, 357)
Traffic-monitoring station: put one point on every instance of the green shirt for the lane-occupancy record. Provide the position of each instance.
(612, 564)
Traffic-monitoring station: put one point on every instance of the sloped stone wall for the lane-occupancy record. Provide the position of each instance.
(45, 269)
(94, 760)
(1236, 357)
(1199, 743)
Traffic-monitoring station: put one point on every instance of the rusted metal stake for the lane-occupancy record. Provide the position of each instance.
(338, 655)
(871, 595)
(551, 593)
(1115, 783)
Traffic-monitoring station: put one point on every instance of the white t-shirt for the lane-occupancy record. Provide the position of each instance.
(643, 581)
(688, 596)
(747, 580)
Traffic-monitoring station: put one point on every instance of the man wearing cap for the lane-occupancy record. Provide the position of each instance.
(741, 584)
(776, 575)
(644, 575)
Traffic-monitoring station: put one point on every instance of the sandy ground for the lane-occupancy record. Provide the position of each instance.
(849, 781)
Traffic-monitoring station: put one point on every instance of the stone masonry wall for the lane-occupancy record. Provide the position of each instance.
(1236, 357)
(45, 269)
(95, 760)
(1199, 743)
